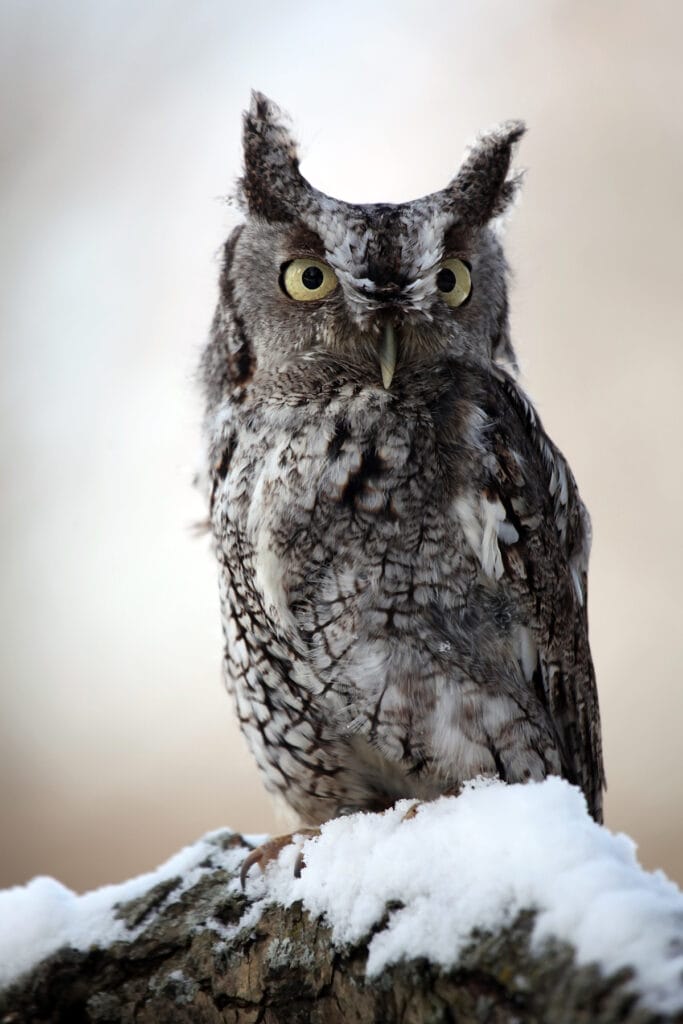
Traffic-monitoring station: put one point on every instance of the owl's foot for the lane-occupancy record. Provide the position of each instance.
(412, 811)
(271, 849)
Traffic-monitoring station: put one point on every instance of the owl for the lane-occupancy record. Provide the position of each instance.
(402, 549)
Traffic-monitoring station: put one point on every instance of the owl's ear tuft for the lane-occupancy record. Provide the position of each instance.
(271, 178)
(482, 189)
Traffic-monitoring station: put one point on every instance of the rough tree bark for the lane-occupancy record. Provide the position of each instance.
(285, 970)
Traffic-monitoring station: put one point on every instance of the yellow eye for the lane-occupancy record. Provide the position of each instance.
(453, 282)
(307, 280)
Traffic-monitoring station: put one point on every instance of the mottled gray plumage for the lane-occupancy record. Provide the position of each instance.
(402, 565)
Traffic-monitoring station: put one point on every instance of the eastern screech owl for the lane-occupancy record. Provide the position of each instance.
(402, 548)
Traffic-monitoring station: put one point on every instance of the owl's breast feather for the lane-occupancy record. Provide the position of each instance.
(351, 490)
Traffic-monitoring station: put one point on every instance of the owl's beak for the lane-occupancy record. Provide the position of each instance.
(388, 352)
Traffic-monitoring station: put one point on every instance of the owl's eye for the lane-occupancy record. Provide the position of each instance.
(307, 280)
(453, 282)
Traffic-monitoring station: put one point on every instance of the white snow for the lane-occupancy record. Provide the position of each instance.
(474, 861)
(39, 918)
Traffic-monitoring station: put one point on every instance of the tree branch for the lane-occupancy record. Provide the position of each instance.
(194, 955)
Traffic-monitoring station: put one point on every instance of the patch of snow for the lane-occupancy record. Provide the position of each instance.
(476, 861)
(41, 917)
(462, 863)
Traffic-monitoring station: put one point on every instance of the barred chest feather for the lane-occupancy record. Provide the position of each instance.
(362, 552)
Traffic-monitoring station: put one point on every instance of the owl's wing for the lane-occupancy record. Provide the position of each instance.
(544, 544)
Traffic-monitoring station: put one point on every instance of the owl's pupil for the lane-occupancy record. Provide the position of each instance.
(445, 280)
(312, 278)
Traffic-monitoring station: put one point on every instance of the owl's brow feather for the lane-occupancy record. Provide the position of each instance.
(302, 239)
(458, 238)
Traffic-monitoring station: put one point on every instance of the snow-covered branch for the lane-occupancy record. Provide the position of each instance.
(507, 903)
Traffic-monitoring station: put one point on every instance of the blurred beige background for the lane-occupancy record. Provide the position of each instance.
(120, 133)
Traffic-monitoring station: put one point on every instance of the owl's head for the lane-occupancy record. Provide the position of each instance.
(381, 286)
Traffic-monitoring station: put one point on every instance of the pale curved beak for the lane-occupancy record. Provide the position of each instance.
(388, 353)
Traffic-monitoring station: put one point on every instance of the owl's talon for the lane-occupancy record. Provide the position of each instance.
(269, 851)
(299, 864)
(251, 859)
(412, 811)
